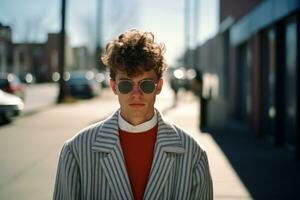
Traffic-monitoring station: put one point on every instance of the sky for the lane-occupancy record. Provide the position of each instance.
(31, 20)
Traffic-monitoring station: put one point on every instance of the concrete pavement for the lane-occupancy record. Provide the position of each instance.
(267, 171)
(227, 184)
(242, 166)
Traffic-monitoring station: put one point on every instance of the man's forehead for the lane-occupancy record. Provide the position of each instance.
(144, 75)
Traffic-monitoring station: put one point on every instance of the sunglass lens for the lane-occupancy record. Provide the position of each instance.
(125, 87)
(147, 86)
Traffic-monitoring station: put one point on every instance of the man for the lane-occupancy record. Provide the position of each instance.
(135, 153)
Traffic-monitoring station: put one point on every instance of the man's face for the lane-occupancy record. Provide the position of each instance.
(136, 105)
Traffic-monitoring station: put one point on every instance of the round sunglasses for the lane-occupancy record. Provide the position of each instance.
(146, 86)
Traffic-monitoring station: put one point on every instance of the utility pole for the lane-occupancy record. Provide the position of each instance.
(196, 20)
(186, 31)
(191, 31)
(62, 88)
(99, 35)
(196, 33)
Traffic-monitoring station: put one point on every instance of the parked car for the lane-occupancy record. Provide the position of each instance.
(27, 78)
(103, 78)
(11, 83)
(10, 106)
(178, 78)
(81, 84)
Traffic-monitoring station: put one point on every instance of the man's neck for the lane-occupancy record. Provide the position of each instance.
(136, 120)
(140, 128)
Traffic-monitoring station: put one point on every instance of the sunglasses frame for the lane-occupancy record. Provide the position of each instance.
(139, 85)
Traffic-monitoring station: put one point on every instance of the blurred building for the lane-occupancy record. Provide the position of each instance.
(39, 59)
(30, 58)
(52, 49)
(251, 70)
(81, 58)
(6, 49)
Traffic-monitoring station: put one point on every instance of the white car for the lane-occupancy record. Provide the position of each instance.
(10, 106)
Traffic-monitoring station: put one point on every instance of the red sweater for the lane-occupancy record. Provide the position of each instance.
(138, 152)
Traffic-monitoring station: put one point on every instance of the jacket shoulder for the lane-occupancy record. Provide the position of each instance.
(189, 141)
(87, 131)
(83, 139)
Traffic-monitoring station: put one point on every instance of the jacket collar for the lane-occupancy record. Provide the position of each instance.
(126, 126)
(107, 141)
(108, 136)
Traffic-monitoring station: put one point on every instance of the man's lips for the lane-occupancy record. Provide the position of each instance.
(136, 104)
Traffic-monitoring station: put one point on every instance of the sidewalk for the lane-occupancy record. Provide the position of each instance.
(227, 184)
(242, 166)
(268, 172)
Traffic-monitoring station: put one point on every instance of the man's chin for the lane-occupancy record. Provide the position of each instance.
(137, 106)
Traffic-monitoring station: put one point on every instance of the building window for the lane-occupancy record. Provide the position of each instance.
(269, 72)
(290, 82)
(244, 97)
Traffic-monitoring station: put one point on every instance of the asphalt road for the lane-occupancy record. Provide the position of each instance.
(30, 145)
(40, 96)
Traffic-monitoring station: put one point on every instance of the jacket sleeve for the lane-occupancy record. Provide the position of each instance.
(67, 183)
(202, 186)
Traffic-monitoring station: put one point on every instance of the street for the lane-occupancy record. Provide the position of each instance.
(39, 96)
(30, 145)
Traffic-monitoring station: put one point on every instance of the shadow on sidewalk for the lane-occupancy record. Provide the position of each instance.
(266, 171)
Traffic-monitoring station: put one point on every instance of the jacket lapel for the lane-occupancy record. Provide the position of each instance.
(168, 142)
(113, 165)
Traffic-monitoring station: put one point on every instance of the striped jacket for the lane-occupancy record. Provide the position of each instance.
(91, 166)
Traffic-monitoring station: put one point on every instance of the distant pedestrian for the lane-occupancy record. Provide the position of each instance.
(135, 153)
(197, 88)
(175, 87)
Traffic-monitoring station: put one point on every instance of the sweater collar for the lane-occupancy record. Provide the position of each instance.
(125, 126)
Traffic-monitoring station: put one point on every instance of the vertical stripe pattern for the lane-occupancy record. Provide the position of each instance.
(91, 166)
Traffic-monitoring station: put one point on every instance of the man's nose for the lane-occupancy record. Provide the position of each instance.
(136, 90)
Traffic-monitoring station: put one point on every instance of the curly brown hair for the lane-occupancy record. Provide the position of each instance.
(134, 52)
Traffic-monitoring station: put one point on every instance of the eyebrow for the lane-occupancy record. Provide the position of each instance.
(128, 79)
(124, 79)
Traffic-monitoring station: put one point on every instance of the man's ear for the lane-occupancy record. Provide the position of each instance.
(113, 85)
(159, 86)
